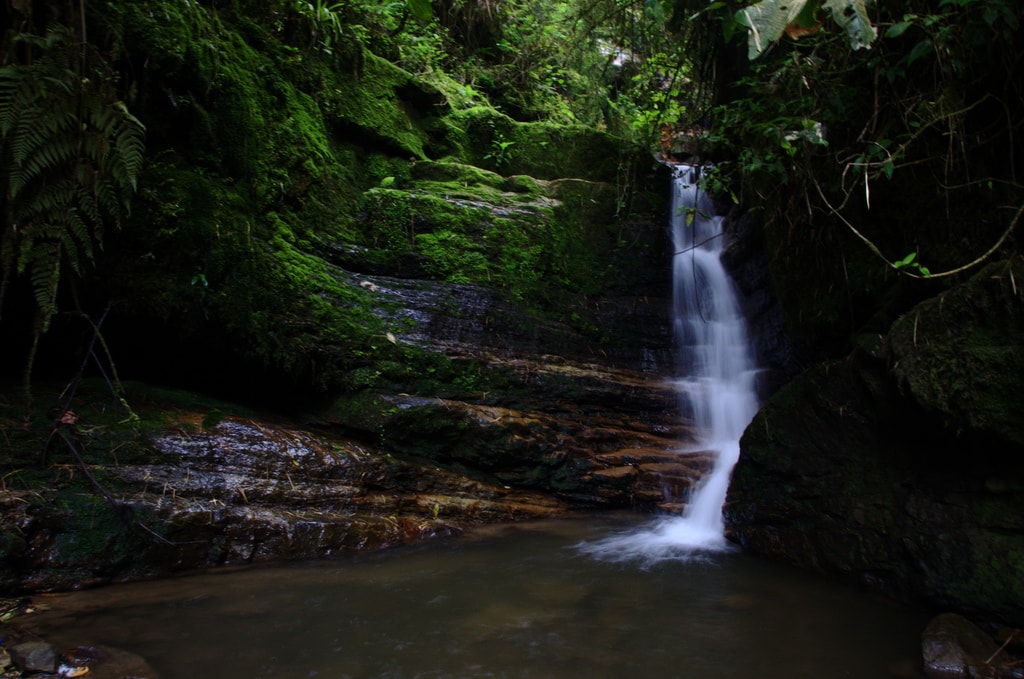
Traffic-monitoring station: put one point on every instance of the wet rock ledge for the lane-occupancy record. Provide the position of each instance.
(178, 487)
(240, 491)
(528, 420)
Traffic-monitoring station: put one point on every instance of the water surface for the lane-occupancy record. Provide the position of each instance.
(519, 601)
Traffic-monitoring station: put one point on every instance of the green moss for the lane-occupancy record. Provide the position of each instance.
(381, 171)
(91, 532)
(272, 167)
(383, 102)
(536, 241)
(452, 257)
(523, 184)
(988, 582)
(962, 354)
(388, 224)
(489, 139)
(585, 237)
(454, 173)
(362, 410)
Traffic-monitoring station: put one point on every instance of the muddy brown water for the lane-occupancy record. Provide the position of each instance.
(515, 601)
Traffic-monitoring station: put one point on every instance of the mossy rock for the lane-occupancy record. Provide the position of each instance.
(536, 240)
(489, 139)
(277, 175)
(884, 468)
(454, 173)
(387, 107)
(962, 354)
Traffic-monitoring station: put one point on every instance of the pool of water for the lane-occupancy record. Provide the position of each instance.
(516, 601)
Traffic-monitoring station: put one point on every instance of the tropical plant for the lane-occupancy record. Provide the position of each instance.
(768, 20)
(325, 22)
(70, 153)
(843, 100)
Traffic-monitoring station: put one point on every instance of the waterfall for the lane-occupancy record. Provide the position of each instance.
(715, 382)
(714, 351)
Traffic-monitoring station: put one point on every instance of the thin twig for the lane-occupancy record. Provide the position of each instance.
(874, 248)
(695, 246)
(999, 650)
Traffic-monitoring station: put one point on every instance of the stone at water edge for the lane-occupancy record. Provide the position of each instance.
(34, 656)
(953, 647)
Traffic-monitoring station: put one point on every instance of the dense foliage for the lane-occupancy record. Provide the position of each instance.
(308, 180)
(279, 135)
(70, 153)
(872, 138)
(869, 155)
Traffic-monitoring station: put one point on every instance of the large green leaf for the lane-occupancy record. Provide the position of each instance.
(767, 20)
(852, 15)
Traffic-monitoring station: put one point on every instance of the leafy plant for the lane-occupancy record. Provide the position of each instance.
(70, 153)
(769, 19)
(499, 152)
(910, 262)
(325, 23)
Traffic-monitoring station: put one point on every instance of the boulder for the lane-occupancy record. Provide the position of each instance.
(902, 466)
(953, 647)
(34, 656)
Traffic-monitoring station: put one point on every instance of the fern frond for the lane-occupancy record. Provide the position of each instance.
(10, 84)
(70, 156)
(74, 237)
(129, 142)
(45, 277)
(43, 200)
(38, 125)
(47, 159)
(87, 202)
(26, 248)
(100, 116)
(111, 201)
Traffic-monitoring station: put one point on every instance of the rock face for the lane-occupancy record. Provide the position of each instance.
(213, 491)
(544, 420)
(34, 656)
(747, 264)
(455, 335)
(953, 647)
(245, 491)
(902, 465)
(594, 423)
(467, 403)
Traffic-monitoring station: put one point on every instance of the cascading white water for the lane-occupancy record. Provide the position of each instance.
(716, 385)
(711, 332)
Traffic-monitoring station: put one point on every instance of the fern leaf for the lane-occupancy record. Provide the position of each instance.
(50, 157)
(87, 203)
(111, 201)
(73, 237)
(47, 204)
(45, 277)
(130, 145)
(10, 84)
(70, 155)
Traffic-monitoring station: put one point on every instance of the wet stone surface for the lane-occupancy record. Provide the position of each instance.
(581, 423)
